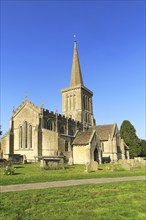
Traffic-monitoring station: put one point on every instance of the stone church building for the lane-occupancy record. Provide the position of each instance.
(73, 135)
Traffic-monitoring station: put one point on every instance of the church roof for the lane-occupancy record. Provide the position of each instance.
(76, 75)
(82, 138)
(24, 103)
(104, 131)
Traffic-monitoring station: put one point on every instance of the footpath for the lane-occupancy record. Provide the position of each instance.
(44, 185)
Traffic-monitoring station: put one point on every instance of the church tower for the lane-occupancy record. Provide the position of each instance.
(77, 99)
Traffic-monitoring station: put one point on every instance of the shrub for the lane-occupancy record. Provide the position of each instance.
(9, 170)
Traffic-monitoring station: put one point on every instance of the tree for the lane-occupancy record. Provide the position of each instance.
(128, 133)
(143, 148)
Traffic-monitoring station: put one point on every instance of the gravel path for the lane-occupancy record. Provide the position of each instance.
(44, 185)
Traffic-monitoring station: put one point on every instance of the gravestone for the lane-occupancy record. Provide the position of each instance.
(126, 166)
(70, 161)
(93, 166)
(43, 164)
(86, 167)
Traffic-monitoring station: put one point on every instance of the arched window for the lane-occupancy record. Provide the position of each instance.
(71, 132)
(66, 146)
(20, 137)
(25, 134)
(50, 125)
(62, 130)
(84, 102)
(30, 136)
(86, 117)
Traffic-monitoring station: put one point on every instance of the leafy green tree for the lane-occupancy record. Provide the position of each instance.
(128, 133)
(143, 148)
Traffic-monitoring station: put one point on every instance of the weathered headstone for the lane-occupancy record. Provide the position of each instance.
(43, 164)
(93, 166)
(86, 167)
(70, 161)
(126, 166)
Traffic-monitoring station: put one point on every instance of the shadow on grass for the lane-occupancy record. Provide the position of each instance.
(17, 167)
(17, 174)
(68, 167)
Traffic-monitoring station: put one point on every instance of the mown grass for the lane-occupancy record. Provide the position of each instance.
(108, 201)
(31, 173)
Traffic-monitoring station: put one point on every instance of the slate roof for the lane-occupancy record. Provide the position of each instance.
(82, 137)
(104, 131)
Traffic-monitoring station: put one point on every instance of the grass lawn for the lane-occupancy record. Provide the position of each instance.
(31, 173)
(108, 201)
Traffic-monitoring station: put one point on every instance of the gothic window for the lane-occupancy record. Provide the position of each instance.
(62, 130)
(66, 146)
(88, 103)
(50, 125)
(66, 103)
(71, 132)
(25, 134)
(20, 136)
(86, 117)
(84, 102)
(30, 136)
(74, 100)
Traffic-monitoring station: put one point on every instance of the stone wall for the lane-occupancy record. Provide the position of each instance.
(5, 144)
(49, 143)
(82, 154)
(79, 155)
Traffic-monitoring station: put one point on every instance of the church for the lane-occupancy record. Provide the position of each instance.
(73, 135)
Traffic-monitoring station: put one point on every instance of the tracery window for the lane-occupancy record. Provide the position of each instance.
(20, 136)
(30, 136)
(25, 134)
(62, 130)
(71, 132)
(84, 102)
(50, 125)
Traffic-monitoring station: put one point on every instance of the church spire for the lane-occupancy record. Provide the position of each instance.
(76, 75)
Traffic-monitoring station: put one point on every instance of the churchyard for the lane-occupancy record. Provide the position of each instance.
(117, 200)
(108, 201)
(32, 172)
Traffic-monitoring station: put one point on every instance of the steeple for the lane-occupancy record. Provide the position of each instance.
(77, 99)
(76, 75)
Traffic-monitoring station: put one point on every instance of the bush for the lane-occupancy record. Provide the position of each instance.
(9, 170)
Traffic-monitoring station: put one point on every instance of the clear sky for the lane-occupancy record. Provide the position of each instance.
(37, 50)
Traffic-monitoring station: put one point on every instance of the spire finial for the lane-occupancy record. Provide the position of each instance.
(75, 42)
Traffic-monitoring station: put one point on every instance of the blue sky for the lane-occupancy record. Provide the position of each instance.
(37, 50)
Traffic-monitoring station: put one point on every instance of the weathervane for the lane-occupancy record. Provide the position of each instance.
(75, 38)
